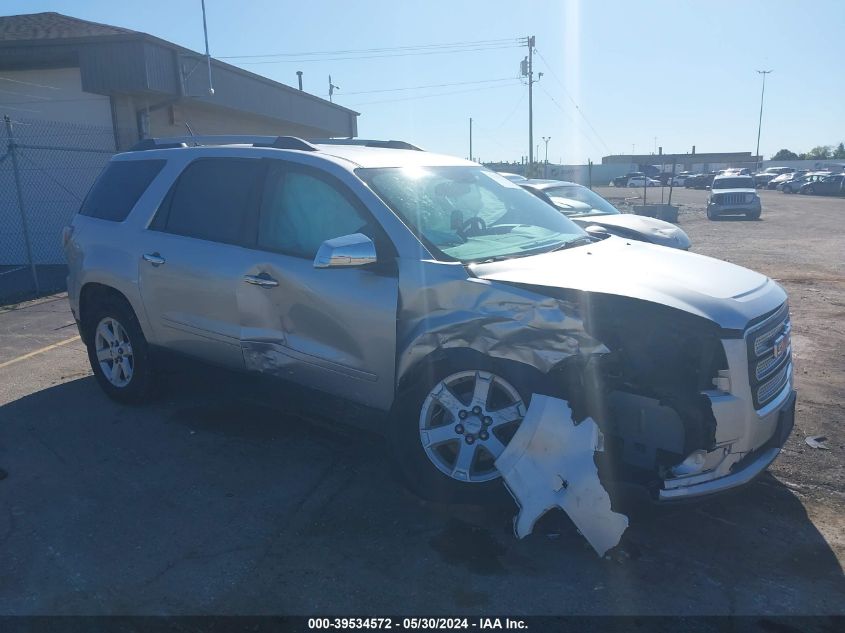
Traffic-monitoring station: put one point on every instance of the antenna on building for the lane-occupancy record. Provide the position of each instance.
(332, 88)
(207, 56)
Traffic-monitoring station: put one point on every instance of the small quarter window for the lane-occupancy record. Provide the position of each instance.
(118, 189)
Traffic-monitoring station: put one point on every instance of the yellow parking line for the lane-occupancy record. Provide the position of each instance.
(38, 351)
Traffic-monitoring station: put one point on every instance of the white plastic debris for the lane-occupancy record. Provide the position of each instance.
(817, 441)
(549, 463)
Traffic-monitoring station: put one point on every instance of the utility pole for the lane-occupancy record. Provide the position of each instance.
(527, 68)
(470, 139)
(760, 121)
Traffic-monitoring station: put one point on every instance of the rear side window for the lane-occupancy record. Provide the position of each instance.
(118, 189)
(213, 199)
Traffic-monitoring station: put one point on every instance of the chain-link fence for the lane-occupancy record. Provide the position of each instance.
(46, 168)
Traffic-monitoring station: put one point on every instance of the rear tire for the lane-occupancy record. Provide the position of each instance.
(445, 436)
(118, 351)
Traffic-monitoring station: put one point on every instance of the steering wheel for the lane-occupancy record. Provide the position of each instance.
(476, 224)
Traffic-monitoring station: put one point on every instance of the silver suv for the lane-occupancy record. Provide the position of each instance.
(438, 293)
(733, 195)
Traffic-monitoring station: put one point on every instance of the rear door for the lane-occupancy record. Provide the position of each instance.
(193, 255)
(332, 329)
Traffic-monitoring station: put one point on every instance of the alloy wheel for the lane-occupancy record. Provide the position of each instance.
(114, 352)
(466, 421)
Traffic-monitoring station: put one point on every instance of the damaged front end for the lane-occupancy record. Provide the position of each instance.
(683, 404)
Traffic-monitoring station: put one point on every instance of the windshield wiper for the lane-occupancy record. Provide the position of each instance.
(578, 241)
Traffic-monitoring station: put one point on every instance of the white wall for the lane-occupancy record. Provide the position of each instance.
(53, 94)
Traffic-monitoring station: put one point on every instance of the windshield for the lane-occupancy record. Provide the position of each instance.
(470, 213)
(739, 182)
(577, 200)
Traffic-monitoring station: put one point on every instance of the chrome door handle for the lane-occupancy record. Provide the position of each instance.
(154, 258)
(264, 280)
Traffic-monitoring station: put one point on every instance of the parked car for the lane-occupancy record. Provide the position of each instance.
(793, 186)
(833, 185)
(733, 195)
(643, 181)
(699, 181)
(438, 295)
(778, 181)
(762, 178)
(598, 217)
(622, 181)
(513, 177)
(679, 180)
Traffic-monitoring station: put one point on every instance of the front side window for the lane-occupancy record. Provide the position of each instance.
(470, 213)
(212, 200)
(300, 210)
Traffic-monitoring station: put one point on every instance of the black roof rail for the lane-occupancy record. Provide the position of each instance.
(277, 142)
(365, 142)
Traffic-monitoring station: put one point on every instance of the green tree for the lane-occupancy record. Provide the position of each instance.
(839, 152)
(785, 154)
(820, 152)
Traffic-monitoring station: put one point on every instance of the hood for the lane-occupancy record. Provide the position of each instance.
(724, 293)
(714, 192)
(651, 229)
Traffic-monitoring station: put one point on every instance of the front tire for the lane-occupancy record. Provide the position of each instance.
(754, 215)
(452, 422)
(712, 215)
(118, 352)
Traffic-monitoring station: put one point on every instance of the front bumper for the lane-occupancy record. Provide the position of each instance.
(728, 209)
(744, 470)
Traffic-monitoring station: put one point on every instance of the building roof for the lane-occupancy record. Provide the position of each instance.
(115, 60)
(52, 26)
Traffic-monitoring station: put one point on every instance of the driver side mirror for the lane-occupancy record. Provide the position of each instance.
(349, 250)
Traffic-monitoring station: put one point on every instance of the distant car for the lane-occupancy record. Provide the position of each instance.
(699, 181)
(678, 180)
(588, 209)
(828, 186)
(513, 177)
(643, 181)
(794, 186)
(622, 181)
(762, 178)
(733, 195)
(778, 181)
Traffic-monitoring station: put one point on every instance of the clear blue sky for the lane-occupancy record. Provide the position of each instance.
(683, 72)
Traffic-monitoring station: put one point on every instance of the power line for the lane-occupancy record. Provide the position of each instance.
(457, 83)
(577, 107)
(439, 94)
(379, 56)
(575, 125)
(512, 41)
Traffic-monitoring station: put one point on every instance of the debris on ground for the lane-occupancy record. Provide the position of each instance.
(550, 463)
(817, 441)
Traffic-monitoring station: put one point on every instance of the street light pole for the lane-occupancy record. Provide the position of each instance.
(760, 121)
(546, 140)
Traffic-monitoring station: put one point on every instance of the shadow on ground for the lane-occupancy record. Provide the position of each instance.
(218, 499)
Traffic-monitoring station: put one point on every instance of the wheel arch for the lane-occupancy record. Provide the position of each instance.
(93, 292)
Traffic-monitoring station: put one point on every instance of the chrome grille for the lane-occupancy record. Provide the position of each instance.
(772, 387)
(731, 198)
(769, 355)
